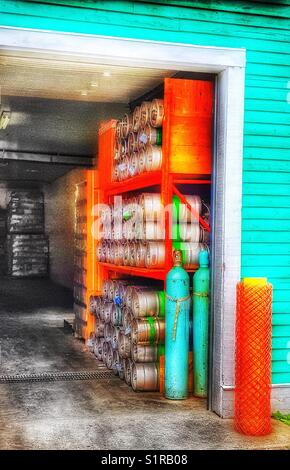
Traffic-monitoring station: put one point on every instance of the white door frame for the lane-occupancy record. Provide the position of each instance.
(229, 66)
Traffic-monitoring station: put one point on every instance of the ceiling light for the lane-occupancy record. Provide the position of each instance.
(107, 73)
(18, 117)
(84, 93)
(94, 84)
(4, 119)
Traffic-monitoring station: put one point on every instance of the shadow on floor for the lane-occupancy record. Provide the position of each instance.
(28, 295)
(32, 333)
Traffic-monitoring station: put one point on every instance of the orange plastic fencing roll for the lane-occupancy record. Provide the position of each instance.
(253, 357)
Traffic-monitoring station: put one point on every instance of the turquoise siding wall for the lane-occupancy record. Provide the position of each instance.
(263, 29)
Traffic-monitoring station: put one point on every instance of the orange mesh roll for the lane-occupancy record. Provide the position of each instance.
(253, 358)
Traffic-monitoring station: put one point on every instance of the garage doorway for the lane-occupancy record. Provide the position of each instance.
(167, 59)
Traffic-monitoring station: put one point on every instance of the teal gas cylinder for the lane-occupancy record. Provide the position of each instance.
(177, 308)
(200, 325)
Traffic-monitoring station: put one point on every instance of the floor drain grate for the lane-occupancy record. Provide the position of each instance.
(57, 376)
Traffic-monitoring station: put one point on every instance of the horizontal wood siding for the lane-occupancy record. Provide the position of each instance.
(263, 29)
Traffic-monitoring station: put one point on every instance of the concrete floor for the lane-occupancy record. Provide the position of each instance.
(100, 414)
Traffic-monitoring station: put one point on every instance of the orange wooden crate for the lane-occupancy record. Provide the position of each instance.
(187, 126)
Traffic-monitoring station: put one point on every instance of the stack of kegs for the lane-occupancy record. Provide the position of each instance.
(138, 141)
(130, 331)
(134, 231)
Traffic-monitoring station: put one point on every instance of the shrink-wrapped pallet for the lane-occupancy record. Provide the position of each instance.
(27, 255)
(26, 212)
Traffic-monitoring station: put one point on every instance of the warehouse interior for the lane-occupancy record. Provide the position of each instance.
(55, 108)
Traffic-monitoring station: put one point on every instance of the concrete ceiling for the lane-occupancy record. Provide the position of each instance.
(55, 126)
(42, 76)
(32, 173)
(57, 105)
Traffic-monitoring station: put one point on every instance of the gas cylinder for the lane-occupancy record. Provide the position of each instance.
(200, 325)
(177, 330)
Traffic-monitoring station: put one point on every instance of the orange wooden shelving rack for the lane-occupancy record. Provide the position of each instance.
(186, 160)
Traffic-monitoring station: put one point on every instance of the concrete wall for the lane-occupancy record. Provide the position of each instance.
(59, 225)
